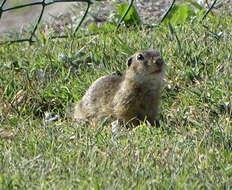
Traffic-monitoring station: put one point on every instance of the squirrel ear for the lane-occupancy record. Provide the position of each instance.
(129, 61)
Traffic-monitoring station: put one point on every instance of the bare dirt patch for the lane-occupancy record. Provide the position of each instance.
(149, 10)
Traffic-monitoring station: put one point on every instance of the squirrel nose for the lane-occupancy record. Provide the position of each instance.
(159, 62)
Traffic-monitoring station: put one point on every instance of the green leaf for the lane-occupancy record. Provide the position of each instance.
(41, 36)
(92, 27)
(107, 27)
(201, 13)
(179, 14)
(132, 17)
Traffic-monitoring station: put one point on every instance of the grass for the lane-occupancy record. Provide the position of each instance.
(190, 150)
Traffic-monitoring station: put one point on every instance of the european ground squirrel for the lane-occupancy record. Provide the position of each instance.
(131, 97)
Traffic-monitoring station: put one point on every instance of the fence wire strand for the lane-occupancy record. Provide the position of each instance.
(44, 3)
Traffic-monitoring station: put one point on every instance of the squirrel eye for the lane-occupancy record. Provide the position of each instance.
(140, 57)
(159, 61)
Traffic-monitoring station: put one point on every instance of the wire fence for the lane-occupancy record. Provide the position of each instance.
(32, 37)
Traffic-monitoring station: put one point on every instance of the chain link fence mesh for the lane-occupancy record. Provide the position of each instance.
(44, 3)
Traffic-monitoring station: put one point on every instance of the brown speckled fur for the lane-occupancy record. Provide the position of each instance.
(131, 97)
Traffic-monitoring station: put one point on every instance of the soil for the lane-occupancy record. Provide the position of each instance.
(60, 14)
(23, 17)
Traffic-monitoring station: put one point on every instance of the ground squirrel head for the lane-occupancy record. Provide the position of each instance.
(146, 65)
